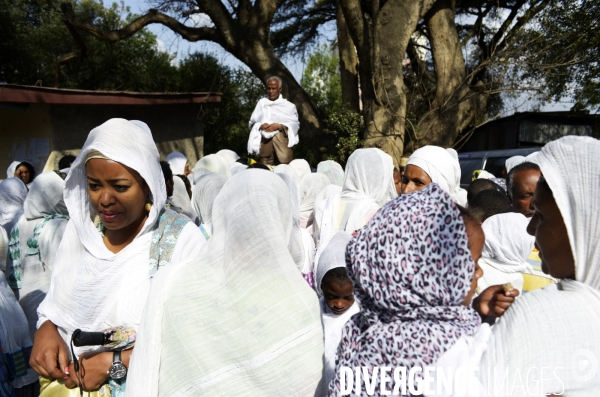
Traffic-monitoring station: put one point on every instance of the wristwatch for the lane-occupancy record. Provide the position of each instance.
(117, 370)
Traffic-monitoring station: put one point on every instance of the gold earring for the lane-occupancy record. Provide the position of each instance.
(148, 207)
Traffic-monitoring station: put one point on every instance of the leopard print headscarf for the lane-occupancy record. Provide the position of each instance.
(411, 269)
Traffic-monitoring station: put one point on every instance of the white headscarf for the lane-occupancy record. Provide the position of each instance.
(12, 196)
(182, 200)
(3, 249)
(10, 171)
(557, 327)
(531, 157)
(485, 175)
(442, 167)
(310, 186)
(301, 167)
(236, 167)
(205, 193)
(512, 162)
(287, 170)
(211, 163)
(296, 242)
(253, 329)
(333, 170)
(45, 196)
(177, 162)
(507, 242)
(93, 288)
(228, 155)
(320, 203)
(333, 324)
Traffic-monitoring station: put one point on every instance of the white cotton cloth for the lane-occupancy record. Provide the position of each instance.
(279, 111)
(45, 198)
(333, 324)
(3, 249)
(296, 242)
(211, 163)
(236, 167)
(368, 185)
(12, 197)
(310, 186)
(531, 157)
(253, 328)
(333, 170)
(443, 168)
(512, 162)
(228, 155)
(182, 200)
(287, 170)
(320, 202)
(93, 288)
(10, 171)
(301, 167)
(205, 193)
(507, 246)
(485, 175)
(177, 162)
(557, 327)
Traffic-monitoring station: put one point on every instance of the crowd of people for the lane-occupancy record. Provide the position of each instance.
(125, 275)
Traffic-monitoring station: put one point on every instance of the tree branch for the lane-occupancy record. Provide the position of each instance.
(521, 21)
(153, 16)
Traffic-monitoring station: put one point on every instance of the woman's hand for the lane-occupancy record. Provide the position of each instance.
(50, 355)
(494, 301)
(93, 370)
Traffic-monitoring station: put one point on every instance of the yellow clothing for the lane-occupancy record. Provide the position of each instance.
(537, 280)
(57, 388)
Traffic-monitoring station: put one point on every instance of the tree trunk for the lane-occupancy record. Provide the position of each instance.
(348, 63)
(455, 105)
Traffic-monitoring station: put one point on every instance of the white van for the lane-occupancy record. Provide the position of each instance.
(492, 161)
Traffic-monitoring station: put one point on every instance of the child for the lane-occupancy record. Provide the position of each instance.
(337, 302)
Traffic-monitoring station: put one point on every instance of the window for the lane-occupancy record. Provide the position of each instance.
(467, 166)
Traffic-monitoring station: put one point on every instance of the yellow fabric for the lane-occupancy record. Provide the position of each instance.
(57, 388)
(531, 282)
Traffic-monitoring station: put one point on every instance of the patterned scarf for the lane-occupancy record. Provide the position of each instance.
(411, 270)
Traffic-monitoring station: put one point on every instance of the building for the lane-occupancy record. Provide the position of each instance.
(531, 129)
(40, 125)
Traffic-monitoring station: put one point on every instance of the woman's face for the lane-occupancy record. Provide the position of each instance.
(551, 238)
(118, 194)
(476, 241)
(187, 170)
(413, 179)
(23, 174)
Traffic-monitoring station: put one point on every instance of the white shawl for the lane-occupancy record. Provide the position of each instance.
(557, 327)
(228, 155)
(211, 163)
(253, 328)
(177, 162)
(92, 288)
(10, 171)
(368, 185)
(3, 249)
(205, 193)
(12, 196)
(287, 170)
(301, 167)
(182, 200)
(443, 168)
(310, 186)
(333, 170)
(512, 162)
(279, 111)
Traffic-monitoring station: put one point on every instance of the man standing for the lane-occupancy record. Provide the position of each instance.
(273, 127)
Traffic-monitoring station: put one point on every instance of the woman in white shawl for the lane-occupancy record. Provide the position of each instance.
(101, 276)
(15, 343)
(333, 170)
(205, 193)
(333, 257)
(287, 170)
(178, 163)
(228, 155)
(12, 196)
(504, 257)
(310, 186)
(211, 163)
(368, 185)
(254, 327)
(556, 328)
(34, 241)
(301, 167)
(181, 199)
(434, 164)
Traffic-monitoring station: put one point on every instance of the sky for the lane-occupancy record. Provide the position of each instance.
(173, 43)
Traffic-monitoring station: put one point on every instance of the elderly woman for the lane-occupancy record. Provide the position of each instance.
(102, 275)
(556, 328)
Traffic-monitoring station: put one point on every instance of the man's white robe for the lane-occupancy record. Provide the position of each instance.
(279, 111)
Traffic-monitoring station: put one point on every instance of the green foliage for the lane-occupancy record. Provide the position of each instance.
(321, 79)
(346, 127)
